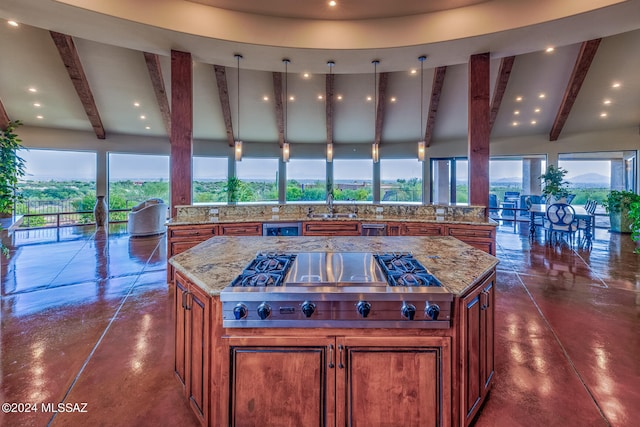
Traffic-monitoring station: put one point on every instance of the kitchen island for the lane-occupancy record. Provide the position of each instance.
(337, 375)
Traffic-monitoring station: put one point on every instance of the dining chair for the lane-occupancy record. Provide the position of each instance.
(582, 224)
(561, 223)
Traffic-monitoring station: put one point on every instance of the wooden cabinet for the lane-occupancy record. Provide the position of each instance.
(192, 344)
(183, 237)
(421, 229)
(331, 228)
(476, 347)
(482, 237)
(393, 229)
(241, 229)
(341, 380)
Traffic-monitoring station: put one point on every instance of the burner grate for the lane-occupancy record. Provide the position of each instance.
(266, 269)
(402, 269)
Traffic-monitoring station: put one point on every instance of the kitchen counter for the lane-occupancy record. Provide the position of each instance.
(212, 265)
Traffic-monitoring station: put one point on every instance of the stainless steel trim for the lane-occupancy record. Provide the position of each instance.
(279, 225)
(400, 324)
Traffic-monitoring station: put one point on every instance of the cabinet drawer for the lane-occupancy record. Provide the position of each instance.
(471, 231)
(204, 232)
(343, 228)
(246, 229)
(179, 247)
(421, 229)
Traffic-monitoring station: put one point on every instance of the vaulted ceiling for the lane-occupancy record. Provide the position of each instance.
(103, 68)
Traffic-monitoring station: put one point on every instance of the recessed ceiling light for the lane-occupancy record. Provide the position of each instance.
(606, 102)
(292, 98)
(136, 104)
(549, 49)
(515, 124)
(339, 97)
(39, 117)
(265, 98)
(33, 90)
(537, 110)
(393, 99)
(369, 98)
(542, 96)
(143, 117)
(603, 114)
(305, 75)
(616, 85)
(36, 104)
(517, 112)
(147, 127)
(533, 122)
(320, 97)
(12, 23)
(333, 3)
(518, 98)
(413, 71)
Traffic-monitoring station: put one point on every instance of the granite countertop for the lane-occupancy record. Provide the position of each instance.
(213, 264)
(295, 218)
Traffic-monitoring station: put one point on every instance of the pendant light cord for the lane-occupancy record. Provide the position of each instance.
(238, 75)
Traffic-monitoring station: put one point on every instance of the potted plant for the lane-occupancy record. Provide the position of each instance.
(555, 187)
(617, 204)
(11, 170)
(634, 218)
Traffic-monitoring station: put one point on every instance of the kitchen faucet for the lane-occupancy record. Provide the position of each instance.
(330, 202)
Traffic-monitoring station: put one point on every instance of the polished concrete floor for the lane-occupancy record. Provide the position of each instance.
(86, 320)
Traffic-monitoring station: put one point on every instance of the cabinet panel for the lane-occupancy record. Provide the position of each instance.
(281, 385)
(470, 231)
(180, 324)
(421, 229)
(241, 229)
(203, 232)
(393, 229)
(326, 228)
(198, 310)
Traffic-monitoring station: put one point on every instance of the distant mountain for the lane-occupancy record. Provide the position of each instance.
(589, 178)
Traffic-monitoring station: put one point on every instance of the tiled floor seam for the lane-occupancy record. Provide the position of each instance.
(102, 336)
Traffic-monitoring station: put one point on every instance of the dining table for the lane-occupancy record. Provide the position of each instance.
(580, 214)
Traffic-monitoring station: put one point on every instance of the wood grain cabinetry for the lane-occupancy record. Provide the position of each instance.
(241, 229)
(331, 228)
(421, 229)
(339, 380)
(393, 229)
(476, 346)
(192, 344)
(482, 237)
(183, 237)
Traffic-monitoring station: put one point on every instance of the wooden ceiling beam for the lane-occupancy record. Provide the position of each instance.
(436, 91)
(71, 60)
(580, 69)
(155, 74)
(329, 90)
(4, 117)
(382, 97)
(223, 92)
(506, 65)
(278, 97)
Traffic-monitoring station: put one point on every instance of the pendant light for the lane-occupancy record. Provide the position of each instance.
(329, 100)
(238, 142)
(422, 146)
(375, 155)
(285, 144)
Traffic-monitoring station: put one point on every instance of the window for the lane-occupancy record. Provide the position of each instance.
(306, 180)
(258, 180)
(353, 179)
(210, 180)
(134, 178)
(450, 181)
(57, 181)
(400, 180)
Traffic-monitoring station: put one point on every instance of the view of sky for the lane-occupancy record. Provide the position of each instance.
(59, 165)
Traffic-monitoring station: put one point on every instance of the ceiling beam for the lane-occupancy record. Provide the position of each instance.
(155, 74)
(580, 69)
(223, 92)
(382, 96)
(71, 60)
(329, 88)
(4, 117)
(506, 65)
(278, 96)
(436, 91)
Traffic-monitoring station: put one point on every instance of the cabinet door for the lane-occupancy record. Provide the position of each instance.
(410, 375)
(480, 237)
(281, 382)
(180, 325)
(246, 229)
(198, 341)
(421, 229)
(336, 228)
(477, 325)
(393, 229)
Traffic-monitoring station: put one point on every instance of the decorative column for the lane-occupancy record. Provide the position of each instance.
(479, 130)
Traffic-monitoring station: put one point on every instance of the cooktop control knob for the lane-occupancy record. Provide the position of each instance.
(240, 311)
(308, 308)
(364, 308)
(409, 311)
(264, 310)
(432, 311)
